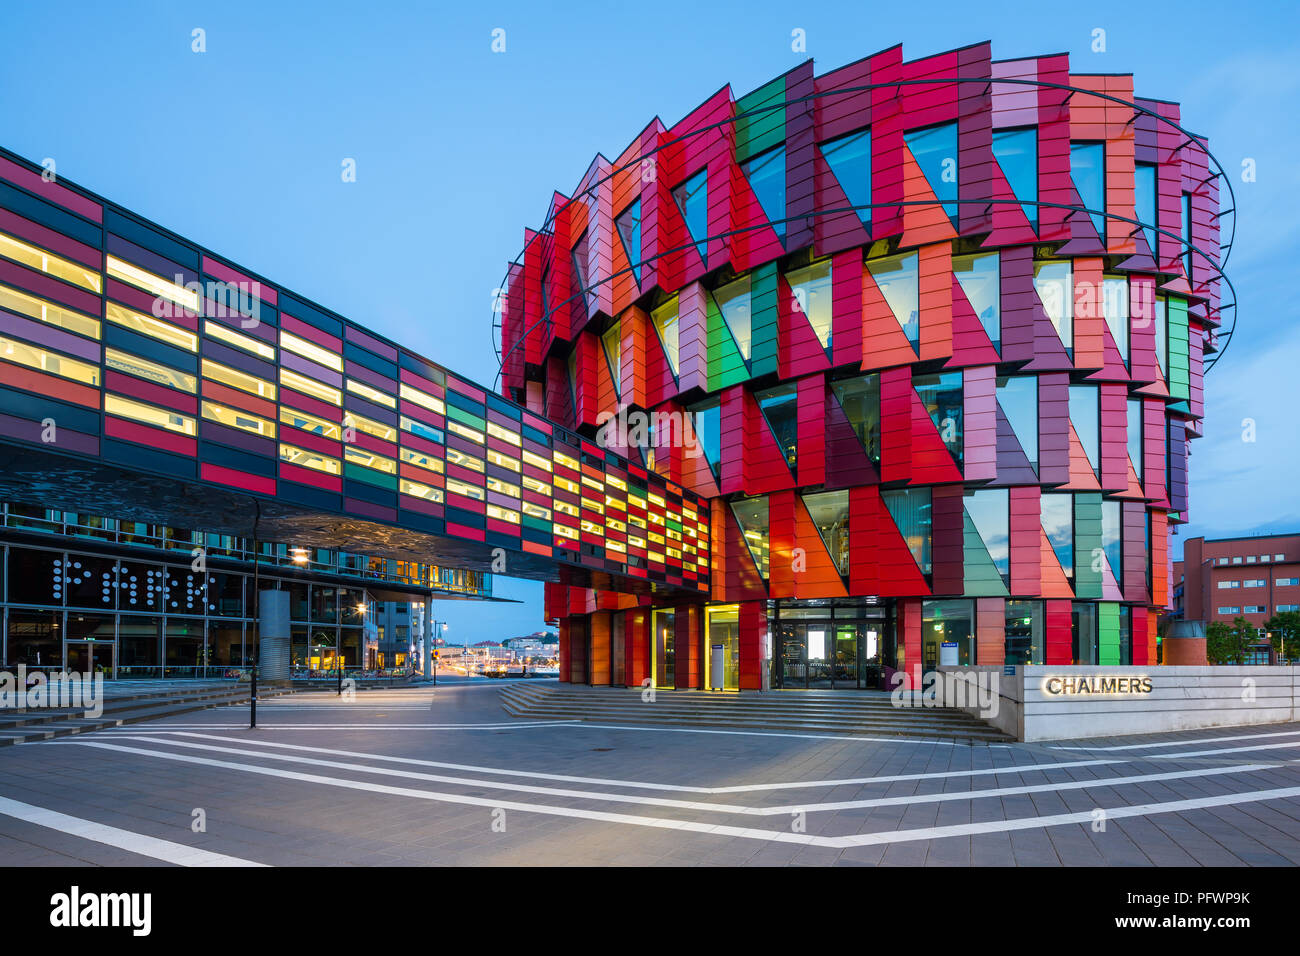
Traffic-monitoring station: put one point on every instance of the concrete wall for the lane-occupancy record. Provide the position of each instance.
(1181, 698)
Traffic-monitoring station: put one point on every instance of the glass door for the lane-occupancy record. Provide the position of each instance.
(89, 657)
(844, 669)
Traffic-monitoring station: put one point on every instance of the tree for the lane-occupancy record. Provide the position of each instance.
(1284, 634)
(1228, 644)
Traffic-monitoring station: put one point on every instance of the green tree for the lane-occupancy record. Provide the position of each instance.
(1284, 634)
(1228, 643)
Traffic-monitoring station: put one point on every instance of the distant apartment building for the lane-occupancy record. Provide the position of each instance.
(1221, 579)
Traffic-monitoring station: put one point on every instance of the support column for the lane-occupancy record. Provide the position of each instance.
(273, 635)
(990, 631)
(1058, 634)
(564, 650)
(686, 642)
(636, 645)
(753, 635)
(909, 640)
(427, 657)
(600, 649)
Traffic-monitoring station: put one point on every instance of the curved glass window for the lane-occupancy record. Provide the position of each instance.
(898, 278)
(629, 231)
(980, 278)
(942, 397)
(766, 175)
(734, 304)
(692, 198)
(811, 287)
(1088, 170)
(935, 151)
(780, 407)
(1054, 283)
(849, 158)
(1016, 151)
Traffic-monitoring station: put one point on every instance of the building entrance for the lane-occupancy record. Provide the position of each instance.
(828, 647)
(89, 657)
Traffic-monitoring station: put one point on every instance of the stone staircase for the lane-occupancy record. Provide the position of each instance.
(127, 703)
(863, 713)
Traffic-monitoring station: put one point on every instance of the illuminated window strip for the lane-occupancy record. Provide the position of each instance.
(496, 458)
(536, 511)
(303, 458)
(155, 284)
(592, 505)
(417, 490)
(234, 378)
(149, 414)
(455, 457)
(502, 487)
(249, 344)
(592, 528)
(564, 484)
(238, 418)
(309, 423)
(48, 312)
(44, 360)
(464, 431)
(614, 525)
(11, 247)
(309, 386)
(130, 364)
(497, 431)
(532, 484)
(368, 459)
(592, 483)
(468, 491)
(636, 542)
(565, 508)
(369, 426)
(371, 394)
(537, 461)
(422, 398)
(420, 429)
(566, 532)
(421, 460)
(616, 546)
(311, 351)
(154, 328)
(565, 460)
(502, 514)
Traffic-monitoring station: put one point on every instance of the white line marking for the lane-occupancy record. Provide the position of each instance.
(1221, 750)
(720, 807)
(1186, 743)
(751, 833)
(604, 781)
(140, 843)
(767, 733)
(167, 728)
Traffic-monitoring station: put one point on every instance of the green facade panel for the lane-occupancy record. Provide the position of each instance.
(1108, 633)
(1178, 358)
(1087, 545)
(763, 309)
(766, 128)
(726, 365)
(980, 576)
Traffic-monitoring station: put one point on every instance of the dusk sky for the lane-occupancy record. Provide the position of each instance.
(458, 149)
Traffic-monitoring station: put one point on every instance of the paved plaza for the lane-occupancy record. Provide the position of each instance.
(424, 776)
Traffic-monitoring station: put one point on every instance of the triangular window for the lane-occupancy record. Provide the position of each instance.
(692, 198)
(849, 158)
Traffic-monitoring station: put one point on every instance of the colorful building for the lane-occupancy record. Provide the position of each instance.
(926, 337)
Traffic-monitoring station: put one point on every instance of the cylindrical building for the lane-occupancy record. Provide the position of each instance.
(928, 335)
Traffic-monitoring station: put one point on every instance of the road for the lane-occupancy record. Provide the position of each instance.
(425, 776)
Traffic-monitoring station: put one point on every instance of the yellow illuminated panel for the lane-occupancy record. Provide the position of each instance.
(150, 371)
(309, 386)
(371, 394)
(592, 528)
(537, 461)
(502, 514)
(564, 484)
(496, 431)
(154, 328)
(469, 491)
(455, 457)
(616, 482)
(155, 284)
(240, 341)
(309, 423)
(503, 487)
(562, 459)
(149, 414)
(310, 350)
(465, 431)
(11, 247)
(369, 460)
(47, 361)
(309, 459)
(412, 394)
(532, 484)
(238, 418)
(566, 532)
(48, 312)
(564, 507)
(369, 426)
(234, 378)
(418, 490)
(616, 546)
(499, 459)
(593, 505)
(536, 511)
(421, 460)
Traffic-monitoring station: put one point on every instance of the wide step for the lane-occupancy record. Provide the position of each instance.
(780, 711)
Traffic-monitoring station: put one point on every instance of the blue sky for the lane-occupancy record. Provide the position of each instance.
(457, 149)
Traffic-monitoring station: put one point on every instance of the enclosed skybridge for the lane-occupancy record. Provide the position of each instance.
(143, 376)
